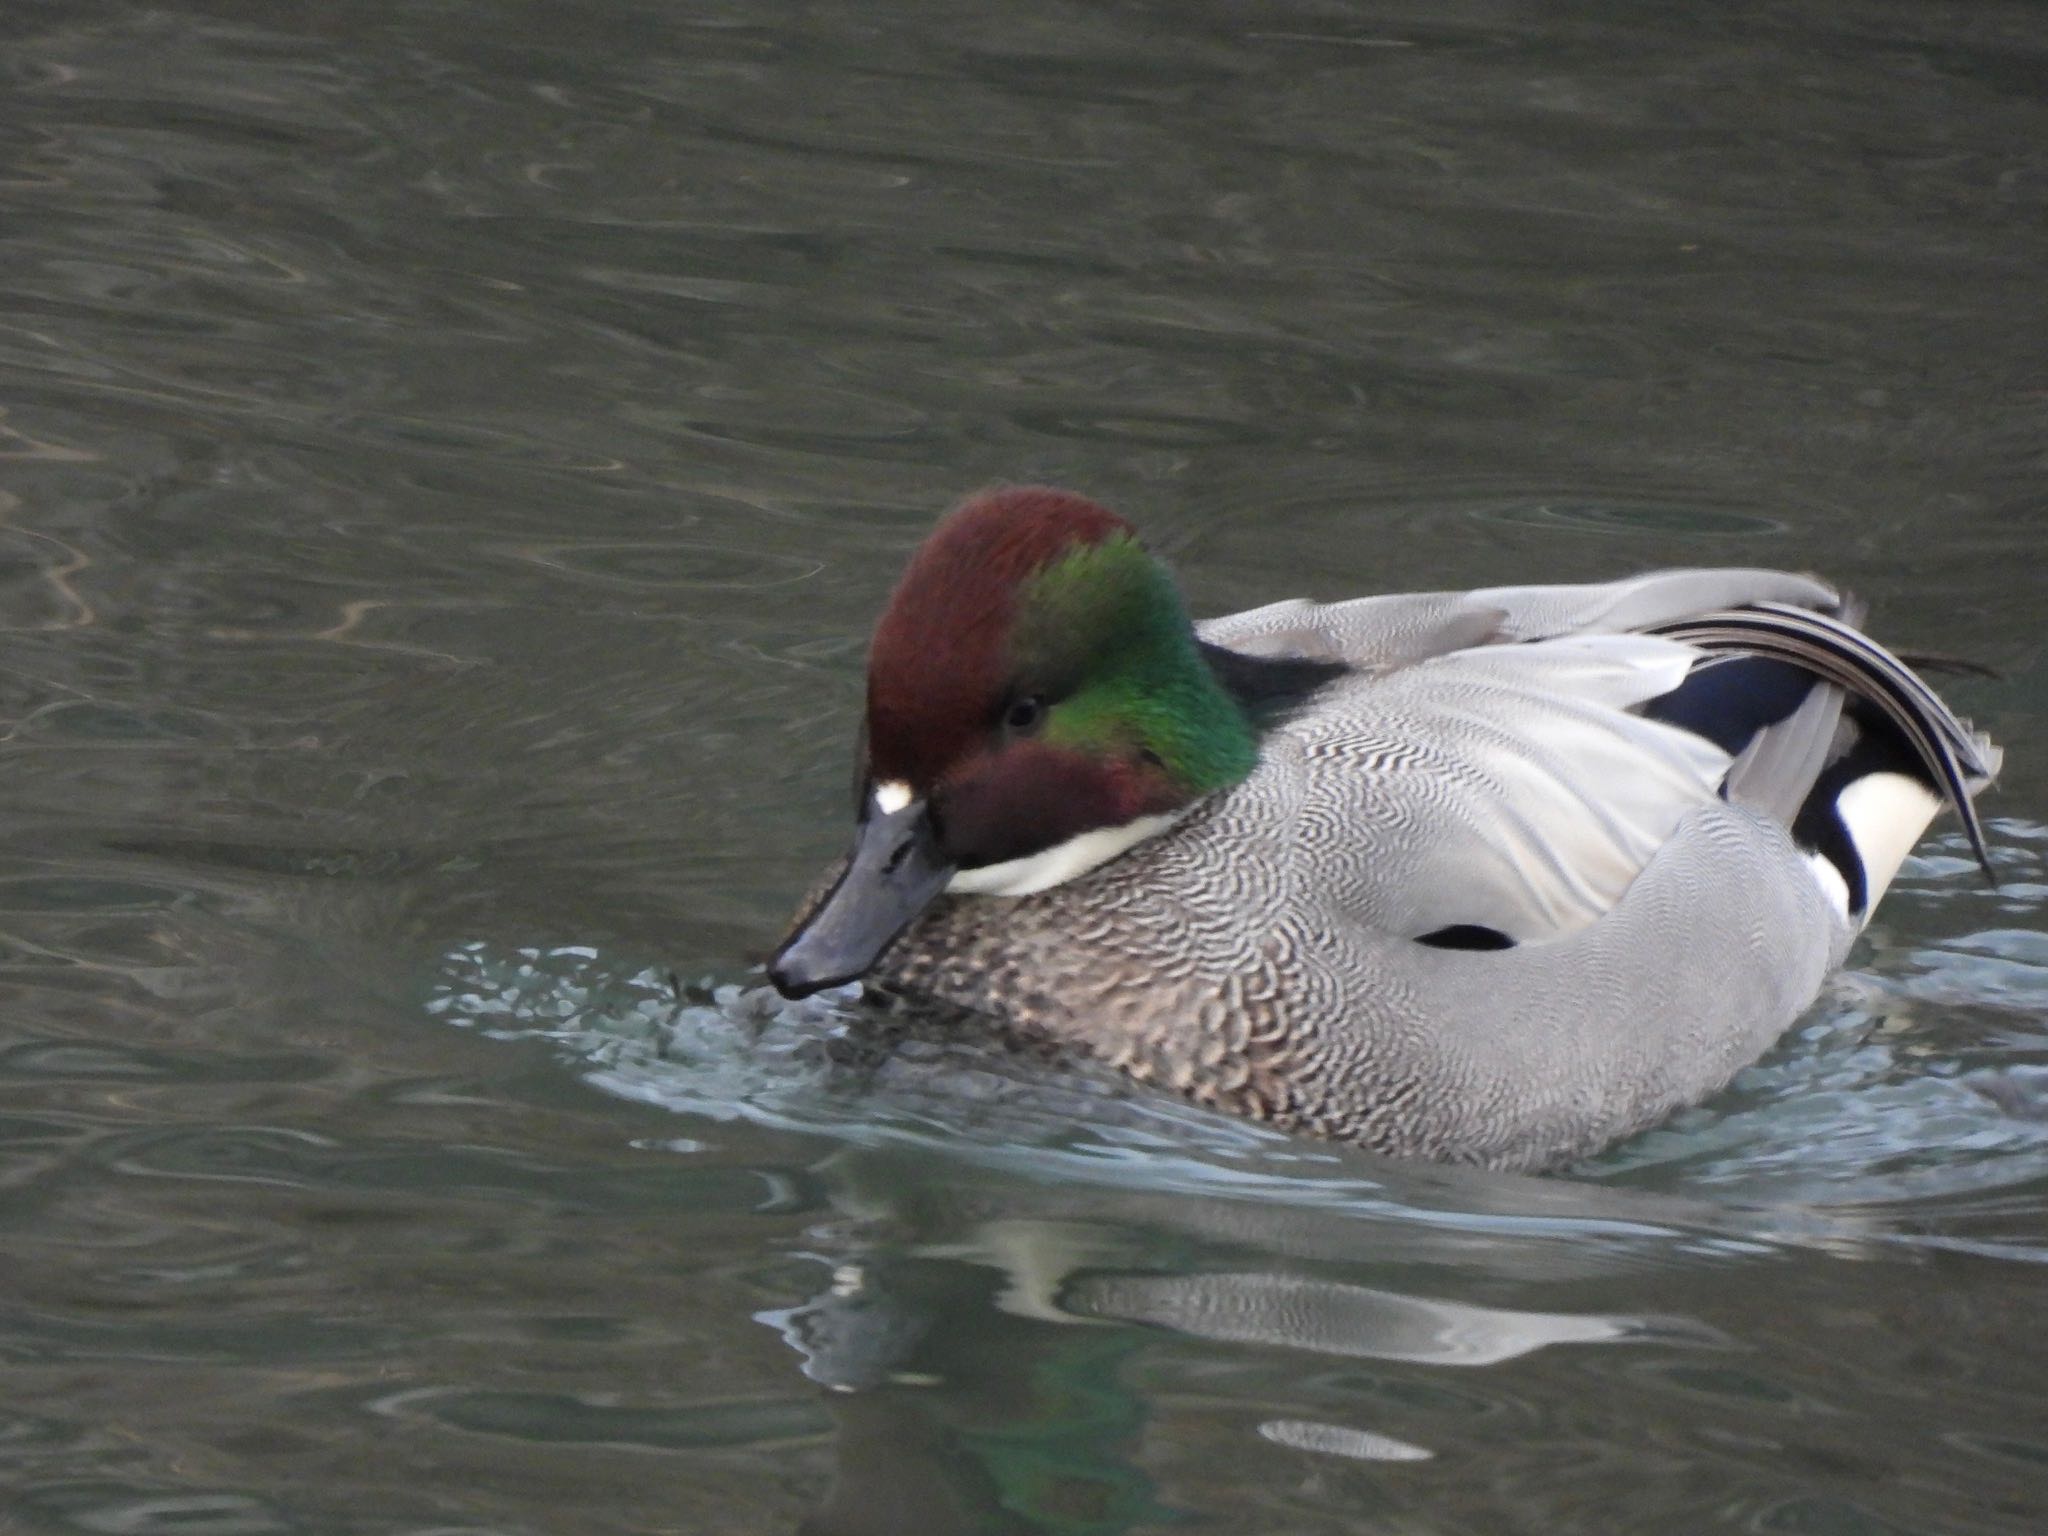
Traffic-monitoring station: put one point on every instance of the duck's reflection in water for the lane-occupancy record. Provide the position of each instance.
(989, 1375)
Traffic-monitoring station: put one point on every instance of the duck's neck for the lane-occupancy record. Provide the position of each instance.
(1267, 688)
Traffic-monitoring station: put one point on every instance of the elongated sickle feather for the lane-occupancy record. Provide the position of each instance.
(1842, 655)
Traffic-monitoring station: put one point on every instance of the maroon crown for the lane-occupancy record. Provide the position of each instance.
(939, 664)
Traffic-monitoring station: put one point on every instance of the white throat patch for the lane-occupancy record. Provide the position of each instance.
(1058, 864)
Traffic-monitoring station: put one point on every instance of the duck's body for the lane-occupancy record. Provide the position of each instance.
(1507, 877)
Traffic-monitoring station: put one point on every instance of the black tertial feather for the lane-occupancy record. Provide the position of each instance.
(1728, 699)
(1834, 651)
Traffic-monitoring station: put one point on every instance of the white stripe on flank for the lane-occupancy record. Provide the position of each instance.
(1057, 864)
(1884, 814)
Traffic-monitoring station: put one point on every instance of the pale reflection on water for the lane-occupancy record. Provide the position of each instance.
(448, 459)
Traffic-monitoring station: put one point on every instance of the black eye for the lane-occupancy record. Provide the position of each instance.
(1024, 715)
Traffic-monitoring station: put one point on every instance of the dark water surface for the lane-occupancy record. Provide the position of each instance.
(451, 455)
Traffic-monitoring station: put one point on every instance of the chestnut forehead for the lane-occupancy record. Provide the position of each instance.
(940, 663)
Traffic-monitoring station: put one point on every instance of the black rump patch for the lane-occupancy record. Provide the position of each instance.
(1877, 748)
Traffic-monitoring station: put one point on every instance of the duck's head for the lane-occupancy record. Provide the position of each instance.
(1037, 703)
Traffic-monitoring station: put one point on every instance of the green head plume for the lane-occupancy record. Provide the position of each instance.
(1101, 633)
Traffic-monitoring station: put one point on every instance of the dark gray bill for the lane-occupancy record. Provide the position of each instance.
(894, 873)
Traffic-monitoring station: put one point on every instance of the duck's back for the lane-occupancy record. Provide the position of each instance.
(1496, 894)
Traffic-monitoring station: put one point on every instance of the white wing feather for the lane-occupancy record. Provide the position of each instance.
(1504, 786)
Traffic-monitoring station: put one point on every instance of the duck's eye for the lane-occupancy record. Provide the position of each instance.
(1024, 715)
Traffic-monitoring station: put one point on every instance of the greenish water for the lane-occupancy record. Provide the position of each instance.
(451, 454)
